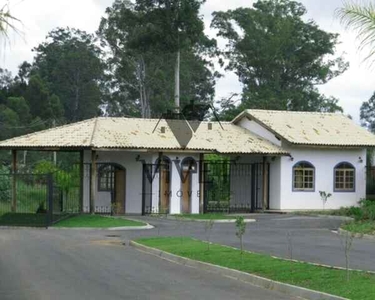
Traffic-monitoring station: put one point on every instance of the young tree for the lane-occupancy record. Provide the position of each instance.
(361, 18)
(241, 228)
(70, 63)
(279, 57)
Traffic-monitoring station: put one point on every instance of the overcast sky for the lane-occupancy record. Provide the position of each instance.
(40, 16)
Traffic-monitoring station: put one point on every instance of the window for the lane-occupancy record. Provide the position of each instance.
(303, 177)
(106, 178)
(344, 177)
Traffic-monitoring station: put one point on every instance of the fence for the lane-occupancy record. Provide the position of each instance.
(39, 200)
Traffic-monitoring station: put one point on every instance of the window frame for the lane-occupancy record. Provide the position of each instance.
(110, 180)
(311, 168)
(351, 168)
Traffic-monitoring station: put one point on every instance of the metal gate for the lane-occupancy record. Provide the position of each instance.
(232, 187)
(38, 200)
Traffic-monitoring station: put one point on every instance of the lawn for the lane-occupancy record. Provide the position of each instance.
(210, 216)
(328, 280)
(363, 227)
(96, 221)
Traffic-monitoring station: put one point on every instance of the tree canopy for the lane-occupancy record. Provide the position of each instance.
(143, 38)
(279, 57)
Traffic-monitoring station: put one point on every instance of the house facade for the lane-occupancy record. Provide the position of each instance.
(263, 160)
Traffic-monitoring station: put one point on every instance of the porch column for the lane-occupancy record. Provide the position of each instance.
(81, 179)
(160, 165)
(93, 182)
(265, 183)
(14, 181)
(201, 183)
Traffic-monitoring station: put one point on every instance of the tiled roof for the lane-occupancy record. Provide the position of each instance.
(133, 133)
(312, 128)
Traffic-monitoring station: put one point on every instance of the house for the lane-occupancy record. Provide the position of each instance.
(275, 160)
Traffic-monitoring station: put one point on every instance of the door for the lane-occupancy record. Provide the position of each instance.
(186, 192)
(164, 190)
(120, 180)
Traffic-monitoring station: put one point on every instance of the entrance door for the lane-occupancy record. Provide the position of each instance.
(164, 189)
(120, 191)
(186, 192)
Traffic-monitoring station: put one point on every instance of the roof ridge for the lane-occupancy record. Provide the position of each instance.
(295, 112)
(93, 131)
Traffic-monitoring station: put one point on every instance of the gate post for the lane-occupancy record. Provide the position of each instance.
(201, 183)
(14, 181)
(49, 199)
(265, 184)
(253, 187)
(93, 181)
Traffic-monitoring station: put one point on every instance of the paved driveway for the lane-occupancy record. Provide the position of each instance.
(312, 238)
(70, 264)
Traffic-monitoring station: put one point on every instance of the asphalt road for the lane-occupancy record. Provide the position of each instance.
(72, 264)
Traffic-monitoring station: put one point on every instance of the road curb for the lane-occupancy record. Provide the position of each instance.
(222, 221)
(329, 217)
(356, 235)
(284, 288)
(148, 226)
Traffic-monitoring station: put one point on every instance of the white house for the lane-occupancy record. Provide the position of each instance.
(273, 160)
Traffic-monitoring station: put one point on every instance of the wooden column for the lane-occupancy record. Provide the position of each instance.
(265, 183)
(14, 181)
(93, 182)
(201, 183)
(81, 179)
(160, 165)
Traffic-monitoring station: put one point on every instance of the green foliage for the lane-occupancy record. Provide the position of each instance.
(4, 185)
(368, 114)
(278, 56)
(45, 167)
(69, 62)
(361, 18)
(143, 38)
(240, 229)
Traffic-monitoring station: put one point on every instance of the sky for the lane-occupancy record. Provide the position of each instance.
(38, 17)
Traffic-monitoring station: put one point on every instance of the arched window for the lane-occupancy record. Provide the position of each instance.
(303, 177)
(106, 178)
(344, 174)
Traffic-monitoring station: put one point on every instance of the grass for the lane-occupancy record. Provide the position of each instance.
(96, 221)
(361, 285)
(211, 216)
(362, 227)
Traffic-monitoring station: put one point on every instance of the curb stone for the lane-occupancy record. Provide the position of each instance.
(357, 235)
(148, 226)
(262, 282)
(215, 221)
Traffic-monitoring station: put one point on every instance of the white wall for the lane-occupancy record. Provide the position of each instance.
(134, 179)
(324, 161)
(259, 130)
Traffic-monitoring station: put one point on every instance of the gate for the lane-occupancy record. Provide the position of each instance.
(38, 200)
(231, 187)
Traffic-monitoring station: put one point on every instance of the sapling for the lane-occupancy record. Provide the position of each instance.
(324, 196)
(347, 242)
(208, 225)
(289, 238)
(241, 228)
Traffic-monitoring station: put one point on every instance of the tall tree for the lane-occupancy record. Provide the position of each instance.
(278, 57)
(69, 61)
(368, 114)
(361, 18)
(145, 44)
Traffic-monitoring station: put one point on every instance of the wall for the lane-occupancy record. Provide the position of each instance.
(259, 130)
(134, 179)
(324, 161)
